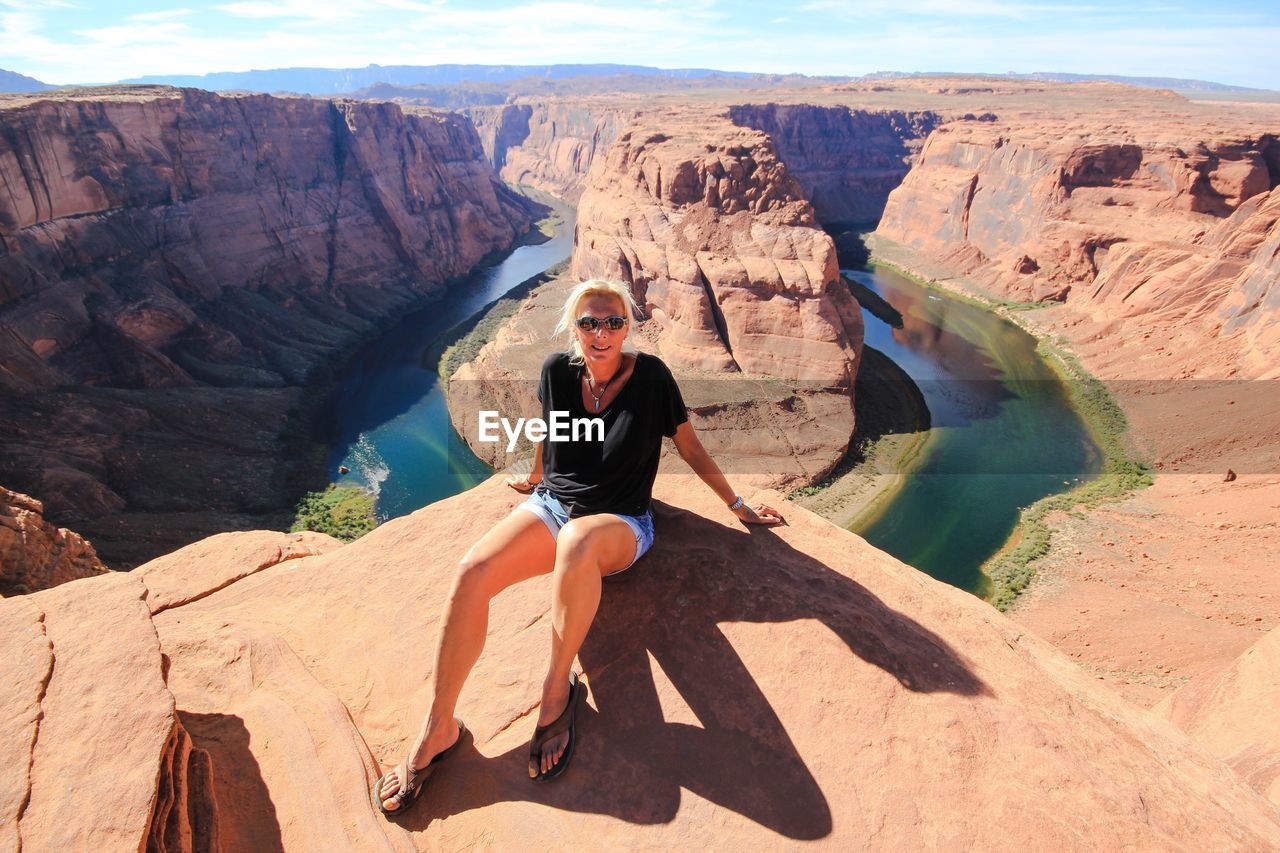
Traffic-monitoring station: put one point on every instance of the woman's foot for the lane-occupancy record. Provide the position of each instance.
(438, 740)
(555, 698)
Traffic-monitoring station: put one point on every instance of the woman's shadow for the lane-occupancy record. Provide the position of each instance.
(630, 762)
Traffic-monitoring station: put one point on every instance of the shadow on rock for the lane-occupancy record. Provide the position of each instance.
(238, 785)
(630, 762)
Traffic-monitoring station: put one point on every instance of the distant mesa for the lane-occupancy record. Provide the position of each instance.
(11, 81)
(493, 84)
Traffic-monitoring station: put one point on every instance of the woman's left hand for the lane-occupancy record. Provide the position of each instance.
(758, 513)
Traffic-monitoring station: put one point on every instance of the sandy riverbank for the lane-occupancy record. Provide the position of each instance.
(891, 430)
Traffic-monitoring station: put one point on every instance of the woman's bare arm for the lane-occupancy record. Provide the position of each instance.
(524, 483)
(695, 455)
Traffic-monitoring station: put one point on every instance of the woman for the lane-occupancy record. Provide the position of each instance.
(588, 517)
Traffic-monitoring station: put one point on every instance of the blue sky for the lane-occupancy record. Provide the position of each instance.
(68, 41)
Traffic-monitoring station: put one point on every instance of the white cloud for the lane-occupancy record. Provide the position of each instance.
(943, 10)
(36, 5)
(160, 16)
(311, 10)
(691, 33)
(411, 5)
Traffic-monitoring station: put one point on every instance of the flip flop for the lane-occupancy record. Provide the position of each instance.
(562, 723)
(413, 781)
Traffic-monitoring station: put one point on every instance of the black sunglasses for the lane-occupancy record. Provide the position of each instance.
(590, 324)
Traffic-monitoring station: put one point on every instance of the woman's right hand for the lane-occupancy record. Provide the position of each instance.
(521, 483)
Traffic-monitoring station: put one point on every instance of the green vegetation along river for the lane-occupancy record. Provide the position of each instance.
(1003, 433)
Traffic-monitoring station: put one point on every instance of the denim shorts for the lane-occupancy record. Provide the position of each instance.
(545, 506)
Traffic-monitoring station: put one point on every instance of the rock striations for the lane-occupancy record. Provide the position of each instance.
(1140, 223)
(719, 244)
(177, 265)
(1231, 712)
(550, 144)
(746, 688)
(35, 554)
(847, 160)
(740, 289)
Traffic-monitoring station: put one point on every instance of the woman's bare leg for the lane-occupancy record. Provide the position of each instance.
(516, 548)
(588, 549)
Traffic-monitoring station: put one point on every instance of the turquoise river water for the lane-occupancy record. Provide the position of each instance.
(1003, 433)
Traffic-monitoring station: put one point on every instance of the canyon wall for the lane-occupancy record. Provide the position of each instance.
(847, 160)
(740, 294)
(177, 266)
(1150, 222)
(550, 144)
(719, 243)
(35, 554)
(247, 701)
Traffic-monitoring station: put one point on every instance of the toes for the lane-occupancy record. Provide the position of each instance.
(390, 787)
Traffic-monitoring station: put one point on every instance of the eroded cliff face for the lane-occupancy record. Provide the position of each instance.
(176, 265)
(763, 433)
(847, 160)
(1132, 221)
(35, 554)
(740, 292)
(719, 243)
(551, 144)
(743, 690)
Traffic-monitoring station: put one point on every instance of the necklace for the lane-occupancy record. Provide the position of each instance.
(592, 391)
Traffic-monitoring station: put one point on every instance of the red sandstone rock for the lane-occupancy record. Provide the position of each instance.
(1231, 712)
(35, 554)
(746, 687)
(88, 756)
(762, 433)
(551, 143)
(192, 256)
(719, 243)
(228, 557)
(174, 199)
(848, 160)
(1138, 222)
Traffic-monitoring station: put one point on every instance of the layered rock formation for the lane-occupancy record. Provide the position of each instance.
(1222, 709)
(847, 160)
(1142, 223)
(550, 144)
(719, 243)
(762, 433)
(35, 554)
(745, 688)
(186, 262)
(741, 294)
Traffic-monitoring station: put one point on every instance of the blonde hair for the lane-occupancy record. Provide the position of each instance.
(584, 290)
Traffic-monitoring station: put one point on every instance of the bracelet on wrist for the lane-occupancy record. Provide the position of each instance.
(737, 504)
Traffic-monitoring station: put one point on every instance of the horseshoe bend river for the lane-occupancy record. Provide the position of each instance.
(1003, 433)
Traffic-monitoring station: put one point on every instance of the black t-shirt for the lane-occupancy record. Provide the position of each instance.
(615, 475)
